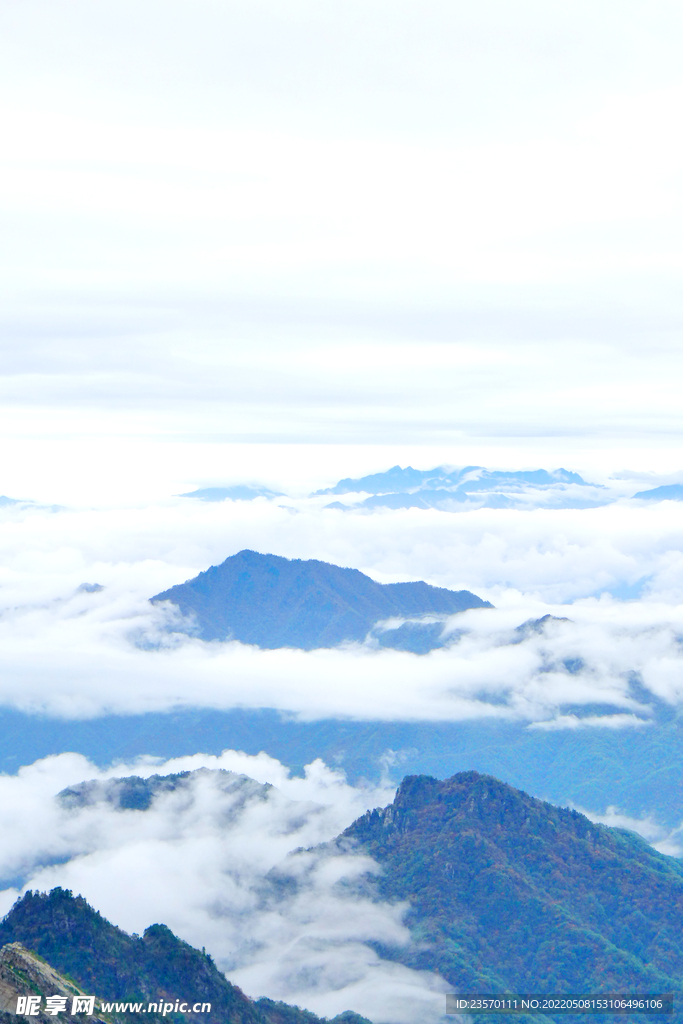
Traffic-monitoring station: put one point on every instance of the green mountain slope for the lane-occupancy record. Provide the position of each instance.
(510, 893)
(101, 958)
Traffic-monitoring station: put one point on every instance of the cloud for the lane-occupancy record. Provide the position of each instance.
(77, 653)
(361, 223)
(201, 859)
(590, 722)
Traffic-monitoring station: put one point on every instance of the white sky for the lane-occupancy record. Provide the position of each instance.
(232, 229)
(256, 240)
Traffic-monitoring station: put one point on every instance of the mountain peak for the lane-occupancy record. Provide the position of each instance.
(272, 602)
(490, 871)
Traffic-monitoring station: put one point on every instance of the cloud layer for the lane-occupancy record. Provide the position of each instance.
(199, 860)
(358, 223)
(74, 652)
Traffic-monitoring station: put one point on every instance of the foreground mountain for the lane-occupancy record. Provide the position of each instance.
(504, 893)
(279, 602)
(509, 893)
(23, 973)
(76, 940)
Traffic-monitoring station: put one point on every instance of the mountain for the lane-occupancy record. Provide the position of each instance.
(471, 478)
(238, 492)
(76, 940)
(23, 973)
(509, 893)
(504, 892)
(668, 492)
(395, 479)
(472, 487)
(133, 793)
(279, 602)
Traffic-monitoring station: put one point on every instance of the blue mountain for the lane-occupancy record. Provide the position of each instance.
(474, 487)
(638, 769)
(238, 492)
(668, 492)
(280, 602)
(468, 480)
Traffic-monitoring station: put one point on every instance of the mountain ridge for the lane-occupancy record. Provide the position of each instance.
(505, 893)
(510, 893)
(472, 487)
(274, 602)
(76, 940)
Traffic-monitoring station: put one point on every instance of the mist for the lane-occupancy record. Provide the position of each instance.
(201, 860)
(79, 653)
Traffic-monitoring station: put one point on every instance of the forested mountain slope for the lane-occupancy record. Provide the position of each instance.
(510, 893)
(76, 940)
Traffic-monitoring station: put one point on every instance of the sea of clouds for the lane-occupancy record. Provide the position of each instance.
(373, 225)
(79, 653)
(199, 859)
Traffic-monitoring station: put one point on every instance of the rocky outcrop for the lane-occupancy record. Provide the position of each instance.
(23, 973)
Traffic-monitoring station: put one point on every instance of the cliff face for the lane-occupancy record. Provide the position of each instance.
(511, 893)
(23, 973)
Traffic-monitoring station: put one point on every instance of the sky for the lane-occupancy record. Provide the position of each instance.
(254, 242)
(315, 239)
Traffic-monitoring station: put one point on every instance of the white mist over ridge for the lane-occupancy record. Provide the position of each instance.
(81, 652)
(198, 860)
(200, 857)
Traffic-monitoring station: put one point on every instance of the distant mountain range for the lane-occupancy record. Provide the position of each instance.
(107, 962)
(636, 769)
(279, 602)
(457, 490)
(442, 488)
(472, 487)
(238, 492)
(669, 492)
(467, 480)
